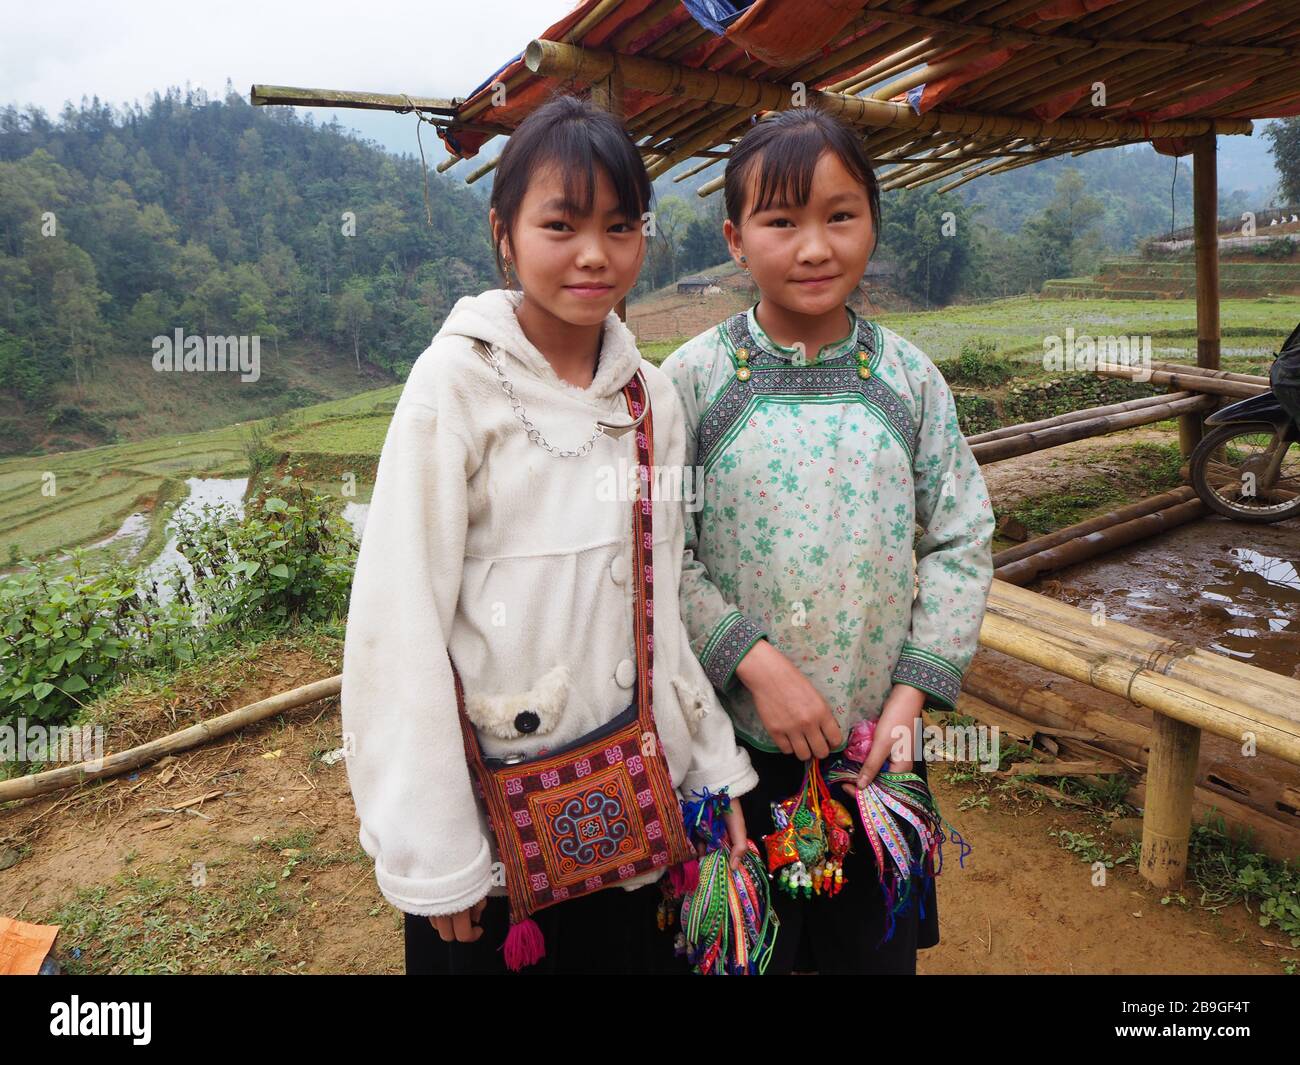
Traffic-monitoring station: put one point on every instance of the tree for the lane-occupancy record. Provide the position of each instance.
(1285, 135)
(76, 310)
(930, 238)
(1060, 240)
(352, 312)
(672, 218)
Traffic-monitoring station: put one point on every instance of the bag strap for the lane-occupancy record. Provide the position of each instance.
(637, 396)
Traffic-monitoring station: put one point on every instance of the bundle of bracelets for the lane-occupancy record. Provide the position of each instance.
(806, 852)
(728, 926)
(885, 805)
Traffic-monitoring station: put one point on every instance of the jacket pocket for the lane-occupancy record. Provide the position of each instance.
(512, 715)
(694, 703)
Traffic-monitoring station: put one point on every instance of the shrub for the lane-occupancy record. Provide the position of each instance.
(65, 637)
(285, 560)
(978, 365)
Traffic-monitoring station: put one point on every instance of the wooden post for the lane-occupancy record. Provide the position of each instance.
(607, 94)
(1167, 819)
(1205, 202)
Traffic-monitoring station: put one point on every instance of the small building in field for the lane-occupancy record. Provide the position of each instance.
(696, 284)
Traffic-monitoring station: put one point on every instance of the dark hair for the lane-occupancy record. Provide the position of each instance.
(576, 135)
(786, 146)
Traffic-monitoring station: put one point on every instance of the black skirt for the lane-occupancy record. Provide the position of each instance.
(838, 934)
(606, 932)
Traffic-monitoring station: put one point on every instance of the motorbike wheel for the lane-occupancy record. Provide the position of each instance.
(1222, 465)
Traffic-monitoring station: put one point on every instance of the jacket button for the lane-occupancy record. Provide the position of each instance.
(625, 674)
(618, 569)
(527, 721)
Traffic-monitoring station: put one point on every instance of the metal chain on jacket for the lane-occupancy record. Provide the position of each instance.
(534, 434)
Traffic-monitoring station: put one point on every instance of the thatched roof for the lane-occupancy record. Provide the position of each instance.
(942, 90)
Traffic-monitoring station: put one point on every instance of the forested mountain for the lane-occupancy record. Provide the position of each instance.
(121, 224)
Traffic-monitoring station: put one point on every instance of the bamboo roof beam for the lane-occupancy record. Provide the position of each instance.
(556, 60)
(651, 16)
(264, 95)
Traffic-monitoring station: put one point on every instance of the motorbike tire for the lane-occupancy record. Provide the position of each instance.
(1199, 464)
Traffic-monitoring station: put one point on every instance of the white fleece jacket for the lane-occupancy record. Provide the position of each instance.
(517, 560)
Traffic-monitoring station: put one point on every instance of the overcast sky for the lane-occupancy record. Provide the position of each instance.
(54, 51)
(60, 50)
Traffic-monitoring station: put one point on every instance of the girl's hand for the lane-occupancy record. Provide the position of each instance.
(791, 709)
(462, 927)
(736, 833)
(892, 740)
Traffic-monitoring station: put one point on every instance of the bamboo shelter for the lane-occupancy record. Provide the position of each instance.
(944, 91)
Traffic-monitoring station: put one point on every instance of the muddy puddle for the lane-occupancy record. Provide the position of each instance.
(1225, 586)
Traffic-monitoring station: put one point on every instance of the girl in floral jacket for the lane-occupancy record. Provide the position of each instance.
(821, 440)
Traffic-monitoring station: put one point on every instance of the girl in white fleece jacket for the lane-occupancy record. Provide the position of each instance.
(493, 534)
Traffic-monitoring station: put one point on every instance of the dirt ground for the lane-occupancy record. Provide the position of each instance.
(270, 877)
(1021, 904)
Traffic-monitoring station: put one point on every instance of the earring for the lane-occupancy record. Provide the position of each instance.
(509, 282)
(744, 260)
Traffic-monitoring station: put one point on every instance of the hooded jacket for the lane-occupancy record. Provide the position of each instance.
(516, 560)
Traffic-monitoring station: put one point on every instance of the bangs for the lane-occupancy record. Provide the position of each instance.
(786, 167)
(576, 153)
(784, 149)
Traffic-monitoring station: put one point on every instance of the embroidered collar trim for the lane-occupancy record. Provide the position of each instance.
(827, 351)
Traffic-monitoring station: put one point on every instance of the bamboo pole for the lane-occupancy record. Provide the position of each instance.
(1076, 653)
(1099, 541)
(1167, 818)
(1041, 706)
(267, 95)
(1205, 192)
(194, 736)
(1008, 447)
(1075, 722)
(556, 60)
(1183, 380)
(1276, 695)
(1077, 416)
(1103, 521)
(1242, 822)
(1259, 380)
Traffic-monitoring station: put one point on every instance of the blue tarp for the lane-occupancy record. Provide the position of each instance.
(716, 15)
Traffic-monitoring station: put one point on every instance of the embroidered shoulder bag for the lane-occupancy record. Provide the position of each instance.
(596, 812)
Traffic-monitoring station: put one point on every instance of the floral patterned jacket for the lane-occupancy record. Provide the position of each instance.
(812, 476)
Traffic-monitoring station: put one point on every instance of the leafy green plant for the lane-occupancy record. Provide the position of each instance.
(286, 559)
(978, 365)
(1229, 870)
(66, 636)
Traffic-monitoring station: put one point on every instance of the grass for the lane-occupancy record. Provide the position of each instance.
(233, 914)
(363, 433)
(1146, 469)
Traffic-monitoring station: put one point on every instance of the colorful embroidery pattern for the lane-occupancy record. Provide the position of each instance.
(772, 376)
(730, 643)
(582, 827)
(929, 672)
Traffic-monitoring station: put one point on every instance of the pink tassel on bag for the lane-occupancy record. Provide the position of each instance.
(684, 877)
(524, 945)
